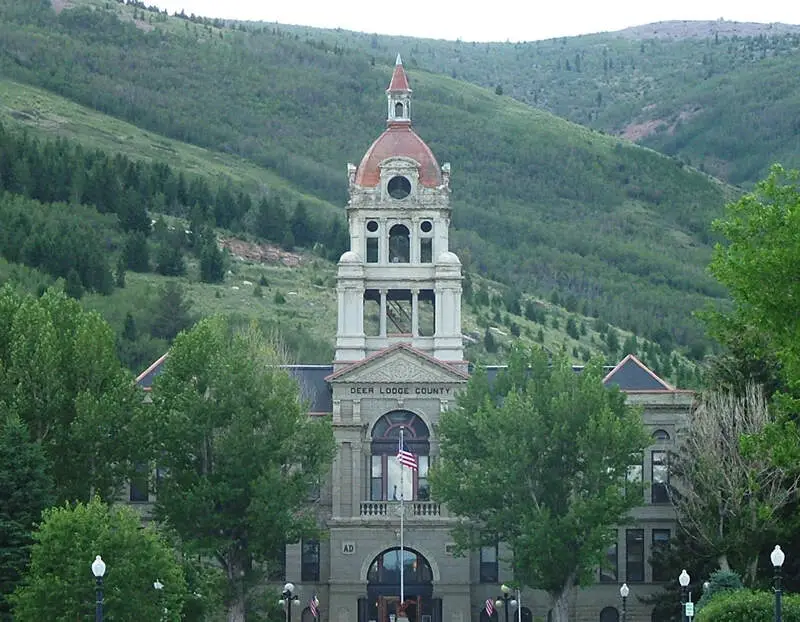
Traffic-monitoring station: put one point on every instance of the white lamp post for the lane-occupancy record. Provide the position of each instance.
(777, 558)
(683, 580)
(506, 599)
(624, 590)
(288, 599)
(98, 570)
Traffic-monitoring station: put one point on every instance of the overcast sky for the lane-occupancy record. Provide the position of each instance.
(487, 20)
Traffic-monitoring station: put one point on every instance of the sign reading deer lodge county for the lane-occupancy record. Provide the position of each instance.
(404, 390)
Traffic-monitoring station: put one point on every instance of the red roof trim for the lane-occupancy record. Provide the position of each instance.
(636, 361)
(153, 366)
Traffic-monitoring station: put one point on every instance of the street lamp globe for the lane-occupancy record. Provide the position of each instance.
(624, 590)
(777, 557)
(505, 589)
(684, 578)
(98, 567)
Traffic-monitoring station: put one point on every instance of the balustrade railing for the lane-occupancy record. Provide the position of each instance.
(414, 509)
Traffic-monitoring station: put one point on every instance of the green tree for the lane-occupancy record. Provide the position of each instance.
(212, 261)
(59, 585)
(758, 264)
(553, 495)
(240, 451)
(171, 312)
(25, 490)
(60, 374)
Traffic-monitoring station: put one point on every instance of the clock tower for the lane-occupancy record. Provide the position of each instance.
(399, 282)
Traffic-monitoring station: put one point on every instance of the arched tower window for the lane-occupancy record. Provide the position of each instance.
(398, 110)
(385, 471)
(399, 244)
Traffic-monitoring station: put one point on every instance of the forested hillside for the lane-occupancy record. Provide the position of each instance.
(715, 94)
(605, 227)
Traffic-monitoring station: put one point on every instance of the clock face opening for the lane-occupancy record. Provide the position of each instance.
(399, 187)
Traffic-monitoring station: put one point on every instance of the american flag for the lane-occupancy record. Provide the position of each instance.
(313, 606)
(489, 607)
(405, 457)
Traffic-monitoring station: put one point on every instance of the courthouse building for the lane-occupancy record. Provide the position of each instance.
(399, 363)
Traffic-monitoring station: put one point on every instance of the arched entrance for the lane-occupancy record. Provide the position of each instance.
(383, 588)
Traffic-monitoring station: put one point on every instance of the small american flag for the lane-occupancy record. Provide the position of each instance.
(405, 457)
(313, 606)
(489, 607)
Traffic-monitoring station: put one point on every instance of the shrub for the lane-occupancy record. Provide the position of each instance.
(748, 606)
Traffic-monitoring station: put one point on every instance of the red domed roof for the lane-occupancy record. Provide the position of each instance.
(399, 140)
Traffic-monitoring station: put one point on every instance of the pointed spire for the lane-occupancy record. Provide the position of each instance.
(399, 81)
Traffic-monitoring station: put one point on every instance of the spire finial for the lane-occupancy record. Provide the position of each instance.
(399, 60)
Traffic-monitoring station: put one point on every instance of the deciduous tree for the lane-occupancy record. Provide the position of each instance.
(730, 498)
(59, 585)
(538, 462)
(239, 453)
(60, 374)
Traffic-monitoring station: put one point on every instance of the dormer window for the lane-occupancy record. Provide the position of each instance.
(398, 187)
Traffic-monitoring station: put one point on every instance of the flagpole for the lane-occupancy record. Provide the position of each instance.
(402, 516)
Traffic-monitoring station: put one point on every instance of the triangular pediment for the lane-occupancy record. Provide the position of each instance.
(399, 365)
(633, 375)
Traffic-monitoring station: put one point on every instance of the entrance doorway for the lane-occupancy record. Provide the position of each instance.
(383, 588)
(388, 606)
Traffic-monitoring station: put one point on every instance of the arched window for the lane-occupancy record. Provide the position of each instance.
(399, 244)
(385, 568)
(385, 471)
(398, 110)
(661, 435)
(609, 614)
(526, 615)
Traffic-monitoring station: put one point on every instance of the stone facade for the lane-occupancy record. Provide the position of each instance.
(389, 373)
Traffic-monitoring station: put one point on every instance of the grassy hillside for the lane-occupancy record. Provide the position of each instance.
(715, 94)
(559, 210)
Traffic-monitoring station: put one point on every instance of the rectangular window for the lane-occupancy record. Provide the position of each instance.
(309, 562)
(140, 485)
(633, 479)
(660, 477)
(376, 479)
(423, 490)
(634, 555)
(426, 313)
(660, 543)
(488, 571)
(372, 250)
(610, 568)
(426, 250)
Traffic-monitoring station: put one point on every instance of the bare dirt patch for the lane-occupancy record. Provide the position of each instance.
(59, 5)
(636, 131)
(260, 253)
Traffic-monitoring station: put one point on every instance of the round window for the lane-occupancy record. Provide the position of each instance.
(426, 226)
(372, 226)
(399, 187)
